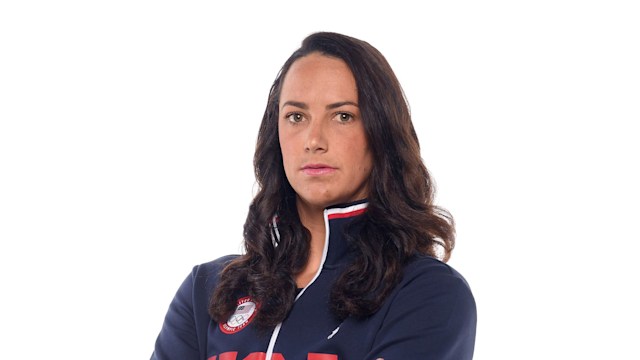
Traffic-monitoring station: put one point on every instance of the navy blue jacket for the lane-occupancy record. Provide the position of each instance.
(431, 314)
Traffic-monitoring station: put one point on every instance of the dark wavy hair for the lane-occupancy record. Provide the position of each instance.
(400, 222)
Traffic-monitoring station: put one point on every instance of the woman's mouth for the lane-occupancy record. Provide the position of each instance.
(317, 169)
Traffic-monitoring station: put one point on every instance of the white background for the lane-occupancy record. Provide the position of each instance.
(127, 134)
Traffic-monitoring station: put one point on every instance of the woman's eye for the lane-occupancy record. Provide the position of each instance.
(294, 117)
(344, 117)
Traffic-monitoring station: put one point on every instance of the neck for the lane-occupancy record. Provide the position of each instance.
(312, 218)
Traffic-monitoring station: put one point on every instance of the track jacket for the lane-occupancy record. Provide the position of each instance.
(431, 314)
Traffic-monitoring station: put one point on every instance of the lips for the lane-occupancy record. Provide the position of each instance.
(317, 169)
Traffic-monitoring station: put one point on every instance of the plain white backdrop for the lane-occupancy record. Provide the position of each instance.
(127, 132)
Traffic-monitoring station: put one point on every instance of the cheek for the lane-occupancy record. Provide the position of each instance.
(362, 154)
(367, 164)
(286, 151)
(366, 158)
(283, 143)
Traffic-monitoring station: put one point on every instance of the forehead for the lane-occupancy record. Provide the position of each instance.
(317, 74)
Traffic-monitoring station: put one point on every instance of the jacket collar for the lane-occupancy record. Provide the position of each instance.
(339, 222)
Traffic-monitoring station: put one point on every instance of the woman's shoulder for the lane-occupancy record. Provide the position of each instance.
(213, 267)
(431, 313)
(429, 273)
(204, 277)
(435, 292)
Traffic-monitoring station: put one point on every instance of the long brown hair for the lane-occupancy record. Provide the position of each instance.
(401, 220)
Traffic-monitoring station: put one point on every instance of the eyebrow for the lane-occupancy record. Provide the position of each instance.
(342, 103)
(304, 106)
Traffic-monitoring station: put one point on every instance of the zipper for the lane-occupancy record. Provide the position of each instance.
(325, 250)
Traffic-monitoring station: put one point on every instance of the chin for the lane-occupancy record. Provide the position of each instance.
(323, 202)
(317, 201)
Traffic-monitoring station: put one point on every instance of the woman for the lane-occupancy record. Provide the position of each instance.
(342, 238)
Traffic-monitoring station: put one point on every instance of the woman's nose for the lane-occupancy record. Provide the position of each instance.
(316, 137)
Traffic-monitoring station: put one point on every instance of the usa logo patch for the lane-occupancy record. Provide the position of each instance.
(242, 316)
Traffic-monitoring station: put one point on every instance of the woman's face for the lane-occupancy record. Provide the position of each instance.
(325, 152)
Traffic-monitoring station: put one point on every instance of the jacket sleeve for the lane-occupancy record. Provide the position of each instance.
(433, 316)
(178, 338)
